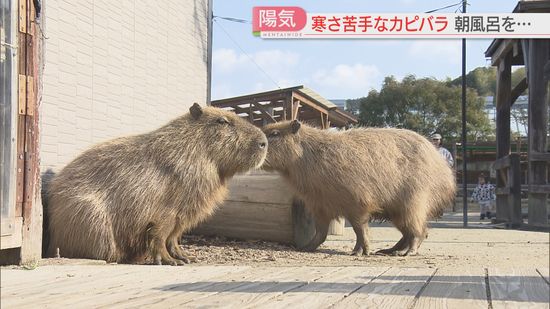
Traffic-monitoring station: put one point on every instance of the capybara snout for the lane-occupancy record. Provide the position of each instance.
(133, 197)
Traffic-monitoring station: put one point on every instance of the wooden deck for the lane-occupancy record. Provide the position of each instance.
(131, 286)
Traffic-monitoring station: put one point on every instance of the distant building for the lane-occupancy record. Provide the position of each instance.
(518, 121)
(341, 103)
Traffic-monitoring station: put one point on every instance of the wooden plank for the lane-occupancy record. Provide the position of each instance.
(248, 214)
(31, 98)
(328, 290)
(539, 156)
(455, 288)
(118, 283)
(336, 226)
(12, 239)
(518, 288)
(31, 247)
(309, 102)
(262, 290)
(246, 99)
(31, 13)
(514, 199)
(23, 16)
(264, 113)
(270, 188)
(22, 53)
(176, 294)
(503, 51)
(20, 165)
(63, 285)
(22, 84)
(244, 220)
(141, 285)
(503, 94)
(397, 288)
(518, 90)
(295, 108)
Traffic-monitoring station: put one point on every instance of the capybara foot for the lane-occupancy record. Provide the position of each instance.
(359, 252)
(168, 261)
(392, 251)
(178, 253)
(409, 252)
(388, 251)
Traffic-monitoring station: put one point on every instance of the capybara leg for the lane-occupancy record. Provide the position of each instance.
(321, 231)
(177, 252)
(414, 243)
(362, 240)
(157, 245)
(402, 244)
(173, 244)
(399, 246)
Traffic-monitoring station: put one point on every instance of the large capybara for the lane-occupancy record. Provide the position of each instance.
(363, 174)
(133, 197)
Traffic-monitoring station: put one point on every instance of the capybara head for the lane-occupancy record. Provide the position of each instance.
(284, 144)
(232, 143)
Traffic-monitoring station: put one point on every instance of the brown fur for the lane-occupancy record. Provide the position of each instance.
(363, 174)
(134, 196)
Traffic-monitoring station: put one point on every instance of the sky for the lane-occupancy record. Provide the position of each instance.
(338, 68)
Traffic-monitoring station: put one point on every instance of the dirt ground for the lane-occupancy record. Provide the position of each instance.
(448, 245)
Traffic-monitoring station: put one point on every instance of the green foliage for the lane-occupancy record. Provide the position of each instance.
(484, 80)
(426, 106)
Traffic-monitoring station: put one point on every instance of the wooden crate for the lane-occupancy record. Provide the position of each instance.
(261, 206)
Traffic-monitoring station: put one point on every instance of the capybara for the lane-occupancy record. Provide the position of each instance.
(363, 174)
(133, 197)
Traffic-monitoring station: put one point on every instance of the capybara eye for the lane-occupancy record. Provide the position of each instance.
(222, 120)
(274, 133)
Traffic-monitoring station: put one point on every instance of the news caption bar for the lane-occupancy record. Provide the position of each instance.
(277, 22)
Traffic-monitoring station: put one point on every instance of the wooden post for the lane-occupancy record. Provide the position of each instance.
(538, 129)
(503, 96)
(336, 226)
(514, 198)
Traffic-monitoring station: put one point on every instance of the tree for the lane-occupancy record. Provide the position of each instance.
(484, 80)
(426, 106)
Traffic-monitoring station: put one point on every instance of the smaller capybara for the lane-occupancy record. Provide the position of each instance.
(133, 197)
(363, 174)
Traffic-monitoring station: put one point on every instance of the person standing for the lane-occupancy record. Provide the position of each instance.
(436, 140)
(484, 195)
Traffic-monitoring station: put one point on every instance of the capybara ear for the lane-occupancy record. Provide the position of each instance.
(295, 126)
(195, 110)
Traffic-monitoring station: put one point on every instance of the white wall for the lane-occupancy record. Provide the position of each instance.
(114, 68)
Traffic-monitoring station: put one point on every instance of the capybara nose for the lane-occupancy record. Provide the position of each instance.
(262, 145)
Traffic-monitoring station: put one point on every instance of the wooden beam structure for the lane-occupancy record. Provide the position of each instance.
(534, 54)
(503, 96)
(518, 90)
(287, 104)
(539, 51)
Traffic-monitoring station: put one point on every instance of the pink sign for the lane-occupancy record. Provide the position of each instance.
(278, 18)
